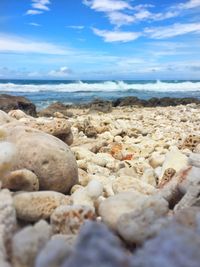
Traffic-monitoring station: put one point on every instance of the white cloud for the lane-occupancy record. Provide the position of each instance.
(15, 44)
(142, 7)
(34, 24)
(172, 30)
(107, 5)
(38, 7)
(116, 36)
(60, 73)
(189, 4)
(119, 18)
(76, 27)
(122, 13)
(41, 4)
(33, 12)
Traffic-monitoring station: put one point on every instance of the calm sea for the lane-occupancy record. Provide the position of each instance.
(42, 92)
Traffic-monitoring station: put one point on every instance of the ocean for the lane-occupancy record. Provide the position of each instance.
(44, 92)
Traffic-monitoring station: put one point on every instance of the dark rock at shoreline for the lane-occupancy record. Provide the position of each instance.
(154, 102)
(101, 105)
(8, 102)
(53, 108)
(168, 101)
(128, 101)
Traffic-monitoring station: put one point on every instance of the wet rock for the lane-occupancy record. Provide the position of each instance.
(8, 102)
(101, 105)
(54, 108)
(128, 101)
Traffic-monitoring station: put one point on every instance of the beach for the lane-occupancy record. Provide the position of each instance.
(99, 133)
(99, 184)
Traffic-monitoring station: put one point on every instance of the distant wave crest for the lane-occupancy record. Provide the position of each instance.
(80, 86)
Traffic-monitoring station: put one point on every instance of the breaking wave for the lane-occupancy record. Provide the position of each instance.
(84, 86)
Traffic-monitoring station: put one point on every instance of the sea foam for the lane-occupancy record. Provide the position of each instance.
(83, 86)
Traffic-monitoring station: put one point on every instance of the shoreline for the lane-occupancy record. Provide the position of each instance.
(10, 102)
(106, 106)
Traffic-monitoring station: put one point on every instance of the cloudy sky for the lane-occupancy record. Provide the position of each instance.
(100, 39)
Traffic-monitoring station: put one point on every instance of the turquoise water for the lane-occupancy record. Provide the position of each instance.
(42, 92)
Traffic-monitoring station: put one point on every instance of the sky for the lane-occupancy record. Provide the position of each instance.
(100, 39)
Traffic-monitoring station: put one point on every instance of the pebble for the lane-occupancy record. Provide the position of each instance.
(33, 206)
(68, 219)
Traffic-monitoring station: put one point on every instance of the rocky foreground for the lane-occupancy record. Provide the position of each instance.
(90, 189)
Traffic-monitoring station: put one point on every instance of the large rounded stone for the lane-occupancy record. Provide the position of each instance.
(48, 157)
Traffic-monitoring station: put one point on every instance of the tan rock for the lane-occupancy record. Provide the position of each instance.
(83, 177)
(149, 177)
(34, 206)
(68, 219)
(7, 157)
(113, 207)
(94, 189)
(45, 155)
(156, 160)
(60, 128)
(127, 183)
(82, 153)
(21, 180)
(145, 222)
(106, 182)
(174, 160)
(8, 223)
(89, 194)
(97, 170)
(191, 142)
(5, 118)
(18, 114)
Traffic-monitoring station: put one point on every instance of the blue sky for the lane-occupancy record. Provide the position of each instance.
(100, 39)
